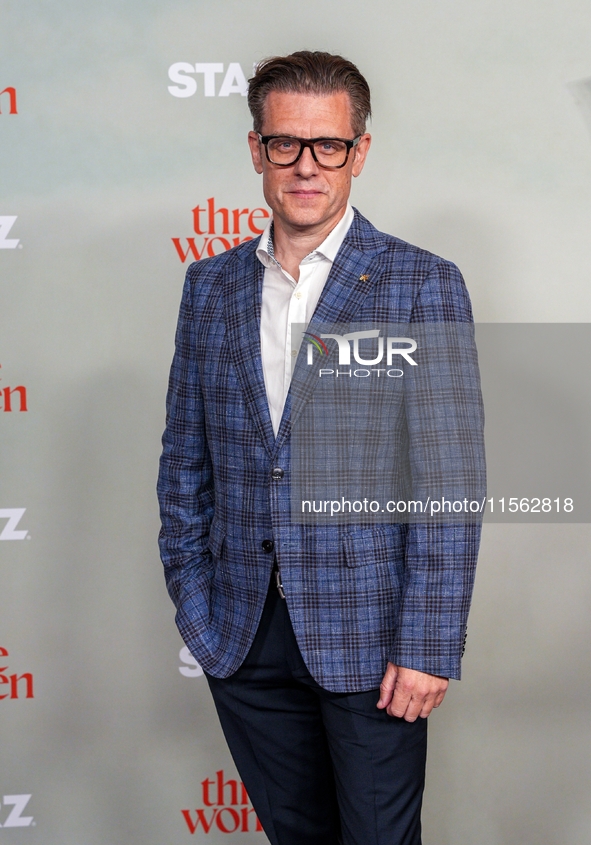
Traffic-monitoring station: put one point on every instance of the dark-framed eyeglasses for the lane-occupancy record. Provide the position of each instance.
(285, 150)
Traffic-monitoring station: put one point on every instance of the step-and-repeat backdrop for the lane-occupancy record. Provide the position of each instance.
(123, 158)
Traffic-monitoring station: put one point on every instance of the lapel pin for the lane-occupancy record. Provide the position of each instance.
(364, 277)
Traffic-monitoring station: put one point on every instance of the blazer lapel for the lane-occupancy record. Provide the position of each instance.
(242, 311)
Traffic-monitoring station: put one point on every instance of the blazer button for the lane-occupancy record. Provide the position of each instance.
(277, 474)
(268, 545)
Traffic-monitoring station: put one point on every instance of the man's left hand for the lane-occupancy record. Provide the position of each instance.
(408, 693)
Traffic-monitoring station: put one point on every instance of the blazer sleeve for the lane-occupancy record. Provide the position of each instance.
(446, 453)
(185, 482)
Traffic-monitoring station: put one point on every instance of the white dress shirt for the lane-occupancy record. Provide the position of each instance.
(285, 301)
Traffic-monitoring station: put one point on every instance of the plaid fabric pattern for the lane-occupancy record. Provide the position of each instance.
(357, 596)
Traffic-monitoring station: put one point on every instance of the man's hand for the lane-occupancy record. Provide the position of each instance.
(407, 693)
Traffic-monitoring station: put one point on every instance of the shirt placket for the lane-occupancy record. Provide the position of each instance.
(296, 314)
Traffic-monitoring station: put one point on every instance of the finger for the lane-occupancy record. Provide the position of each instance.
(414, 709)
(387, 686)
(400, 702)
(417, 706)
(439, 698)
(427, 707)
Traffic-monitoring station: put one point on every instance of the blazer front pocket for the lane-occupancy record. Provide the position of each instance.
(366, 546)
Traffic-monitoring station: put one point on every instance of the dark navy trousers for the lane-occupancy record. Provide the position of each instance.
(321, 768)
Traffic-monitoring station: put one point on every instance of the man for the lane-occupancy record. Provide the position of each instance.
(325, 647)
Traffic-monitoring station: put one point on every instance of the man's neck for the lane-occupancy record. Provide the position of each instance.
(292, 246)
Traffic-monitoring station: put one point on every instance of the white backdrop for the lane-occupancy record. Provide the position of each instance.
(482, 153)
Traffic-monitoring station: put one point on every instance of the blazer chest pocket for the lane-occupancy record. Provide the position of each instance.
(368, 546)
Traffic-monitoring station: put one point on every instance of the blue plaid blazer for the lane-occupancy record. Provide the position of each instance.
(357, 596)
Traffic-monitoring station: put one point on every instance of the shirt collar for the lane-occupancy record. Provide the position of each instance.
(328, 248)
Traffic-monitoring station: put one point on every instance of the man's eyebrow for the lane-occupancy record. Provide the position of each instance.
(302, 138)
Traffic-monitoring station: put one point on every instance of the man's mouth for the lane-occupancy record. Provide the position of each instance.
(304, 193)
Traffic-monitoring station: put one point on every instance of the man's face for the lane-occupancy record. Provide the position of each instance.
(305, 197)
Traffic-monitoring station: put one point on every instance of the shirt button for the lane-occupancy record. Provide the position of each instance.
(277, 474)
(294, 352)
(298, 294)
(268, 545)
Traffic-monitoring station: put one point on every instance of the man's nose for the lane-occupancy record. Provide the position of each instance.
(305, 165)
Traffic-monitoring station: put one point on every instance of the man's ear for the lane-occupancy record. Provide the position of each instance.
(256, 151)
(361, 151)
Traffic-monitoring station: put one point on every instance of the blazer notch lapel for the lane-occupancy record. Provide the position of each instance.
(242, 312)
